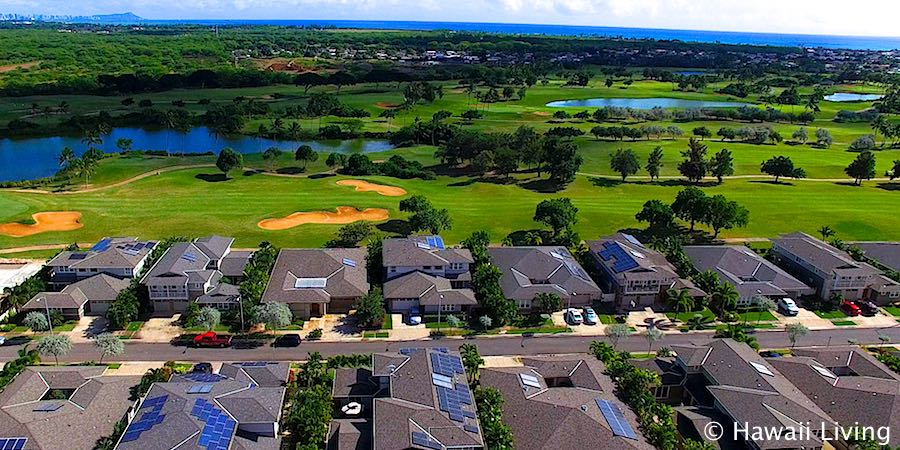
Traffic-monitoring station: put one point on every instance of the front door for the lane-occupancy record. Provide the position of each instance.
(315, 310)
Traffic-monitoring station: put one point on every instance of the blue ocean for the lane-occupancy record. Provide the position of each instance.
(785, 40)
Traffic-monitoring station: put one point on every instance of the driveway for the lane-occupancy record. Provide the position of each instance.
(88, 328)
(335, 327)
(806, 317)
(160, 329)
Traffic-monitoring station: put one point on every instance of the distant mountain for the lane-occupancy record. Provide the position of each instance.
(127, 17)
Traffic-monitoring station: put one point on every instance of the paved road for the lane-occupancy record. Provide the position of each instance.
(488, 346)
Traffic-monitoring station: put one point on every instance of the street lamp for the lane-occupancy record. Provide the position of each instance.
(440, 305)
(49, 321)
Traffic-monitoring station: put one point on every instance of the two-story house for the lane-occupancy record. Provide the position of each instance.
(186, 271)
(833, 271)
(637, 276)
(121, 257)
(529, 271)
(421, 272)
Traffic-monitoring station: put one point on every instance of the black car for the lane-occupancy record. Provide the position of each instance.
(868, 309)
(203, 367)
(288, 340)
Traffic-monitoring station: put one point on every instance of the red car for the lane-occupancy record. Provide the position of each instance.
(849, 308)
(211, 339)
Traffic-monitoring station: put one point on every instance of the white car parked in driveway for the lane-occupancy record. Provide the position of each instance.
(573, 317)
(787, 307)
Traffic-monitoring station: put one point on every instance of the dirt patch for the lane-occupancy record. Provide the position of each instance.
(386, 105)
(344, 215)
(541, 114)
(44, 222)
(11, 67)
(365, 186)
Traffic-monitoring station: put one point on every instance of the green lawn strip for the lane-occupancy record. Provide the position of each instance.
(761, 326)
(375, 334)
(388, 323)
(134, 327)
(607, 319)
(893, 310)
(68, 326)
(539, 330)
(686, 316)
(843, 323)
(756, 316)
(836, 314)
(114, 366)
(219, 328)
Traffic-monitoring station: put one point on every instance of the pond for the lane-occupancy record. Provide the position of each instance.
(644, 103)
(692, 73)
(850, 97)
(30, 158)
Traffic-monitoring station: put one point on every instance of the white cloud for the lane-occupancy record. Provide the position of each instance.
(862, 17)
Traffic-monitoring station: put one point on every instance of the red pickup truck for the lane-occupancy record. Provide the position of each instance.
(212, 339)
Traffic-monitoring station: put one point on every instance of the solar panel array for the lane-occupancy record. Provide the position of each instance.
(219, 426)
(78, 256)
(442, 381)
(190, 257)
(48, 406)
(348, 262)
(200, 389)
(615, 419)
(406, 351)
(148, 419)
(451, 401)
(201, 377)
(423, 440)
(102, 245)
(446, 364)
(435, 242)
(624, 261)
(16, 443)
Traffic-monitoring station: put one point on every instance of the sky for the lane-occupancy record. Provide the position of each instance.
(830, 17)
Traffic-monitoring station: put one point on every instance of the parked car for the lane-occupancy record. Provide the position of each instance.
(202, 367)
(212, 339)
(849, 308)
(867, 308)
(415, 317)
(590, 317)
(573, 317)
(770, 354)
(787, 307)
(287, 340)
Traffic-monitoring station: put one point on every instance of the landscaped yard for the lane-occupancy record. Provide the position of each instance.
(893, 310)
(834, 314)
(375, 334)
(756, 316)
(69, 325)
(843, 323)
(686, 316)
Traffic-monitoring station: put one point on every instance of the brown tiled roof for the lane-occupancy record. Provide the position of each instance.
(528, 271)
(750, 273)
(429, 289)
(414, 252)
(343, 281)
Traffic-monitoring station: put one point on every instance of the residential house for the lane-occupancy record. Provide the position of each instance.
(237, 408)
(88, 296)
(315, 282)
(728, 382)
(121, 257)
(528, 271)
(415, 399)
(833, 271)
(637, 276)
(185, 272)
(751, 275)
(886, 253)
(233, 264)
(849, 384)
(422, 273)
(563, 402)
(62, 408)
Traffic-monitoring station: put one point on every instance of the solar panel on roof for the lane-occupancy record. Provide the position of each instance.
(219, 426)
(78, 256)
(190, 257)
(423, 440)
(16, 443)
(615, 419)
(530, 381)
(147, 420)
(203, 377)
(470, 428)
(349, 262)
(423, 246)
(442, 381)
(48, 406)
(200, 389)
(102, 245)
(632, 239)
(408, 350)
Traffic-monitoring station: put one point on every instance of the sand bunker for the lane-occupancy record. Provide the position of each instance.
(44, 222)
(365, 186)
(386, 105)
(344, 215)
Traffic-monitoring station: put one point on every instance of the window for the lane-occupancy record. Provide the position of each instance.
(457, 266)
(448, 308)
(662, 392)
(895, 294)
(524, 304)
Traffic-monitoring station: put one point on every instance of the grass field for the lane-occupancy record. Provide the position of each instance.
(186, 202)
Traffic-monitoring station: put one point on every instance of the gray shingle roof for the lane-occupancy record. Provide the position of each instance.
(222, 293)
(100, 287)
(343, 280)
(528, 271)
(414, 252)
(234, 263)
(750, 273)
(89, 414)
(429, 289)
(823, 256)
(114, 256)
(183, 261)
(215, 247)
(560, 417)
(650, 263)
(887, 253)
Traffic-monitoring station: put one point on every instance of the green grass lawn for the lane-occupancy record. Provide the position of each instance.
(761, 326)
(686, 316)
(836, 314)
(68, 326)
(606, 319)
(134, 327)
(375, 335)
(220, 328)
(893, 310)
(756, 316)
(539, 330)
(843, 323)
(388, 323)
(184, 203)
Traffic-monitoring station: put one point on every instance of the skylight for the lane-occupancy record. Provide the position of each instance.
(762, 369)
(310, 283)
(824, 372)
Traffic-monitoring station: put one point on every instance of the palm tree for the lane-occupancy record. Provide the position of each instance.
(738, 333)
(680, 299)
(700, 322)
(826, 232)
(66, 157)
(724, 298)
(653, 334)
(472, 361)
(763, 304)
(294, 131)
(91, 138)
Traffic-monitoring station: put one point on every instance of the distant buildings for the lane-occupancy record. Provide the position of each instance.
(832, 271)
(636, 276)
(415, 399)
